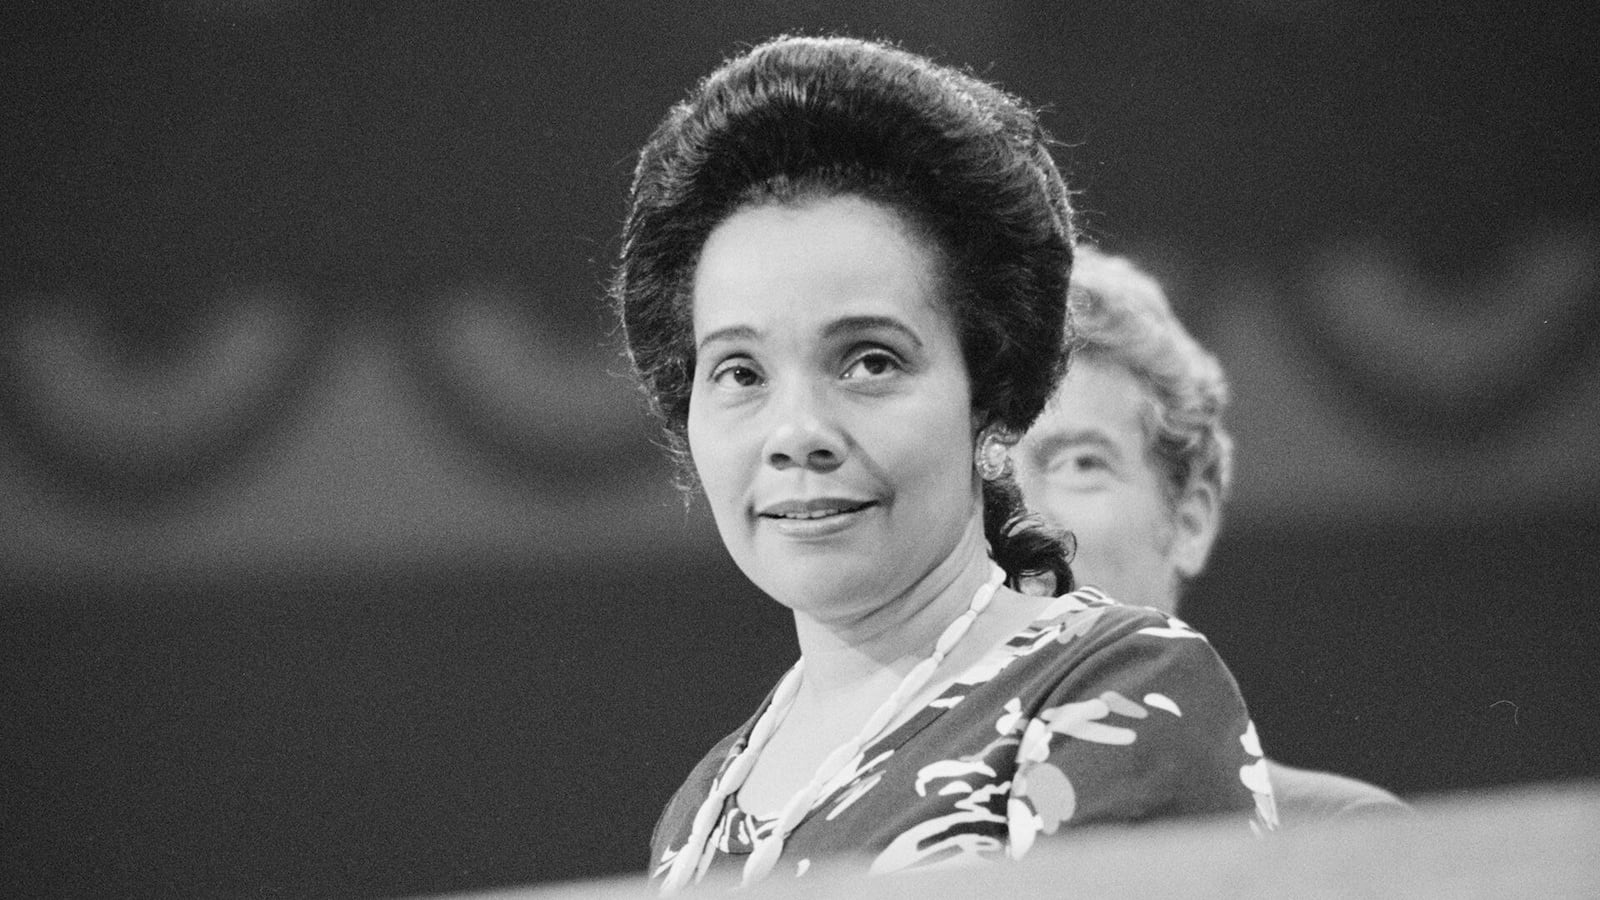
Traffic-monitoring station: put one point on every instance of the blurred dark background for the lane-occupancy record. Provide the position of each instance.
(336, 558)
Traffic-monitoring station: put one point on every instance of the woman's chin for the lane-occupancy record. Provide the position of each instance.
(821, 585)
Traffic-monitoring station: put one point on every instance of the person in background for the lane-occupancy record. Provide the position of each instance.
(1131, 456)
(843, 287)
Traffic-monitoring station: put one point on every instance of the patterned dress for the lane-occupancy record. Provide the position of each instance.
(1094, 713)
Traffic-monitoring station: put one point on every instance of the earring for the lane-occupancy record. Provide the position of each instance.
(993, 456)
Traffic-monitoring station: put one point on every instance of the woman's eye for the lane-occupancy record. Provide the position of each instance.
(873, 364)
(735, 374)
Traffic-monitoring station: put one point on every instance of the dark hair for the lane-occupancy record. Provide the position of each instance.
(964, 163)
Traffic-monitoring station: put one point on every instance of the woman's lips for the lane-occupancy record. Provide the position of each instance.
(820, 508)
(814, 511)
(814, 518)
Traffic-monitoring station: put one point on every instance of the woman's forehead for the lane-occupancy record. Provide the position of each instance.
(816, 263)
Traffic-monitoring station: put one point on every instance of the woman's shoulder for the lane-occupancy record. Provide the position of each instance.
(1077, 630)
(1128, 706)
(1087, 641)
(1091, 614)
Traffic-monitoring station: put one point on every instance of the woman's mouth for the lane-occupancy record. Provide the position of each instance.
(807, 514)
(816, 518)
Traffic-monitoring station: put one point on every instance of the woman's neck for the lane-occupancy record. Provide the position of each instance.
(844, 658)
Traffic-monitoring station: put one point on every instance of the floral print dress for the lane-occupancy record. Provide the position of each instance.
(1094, 713)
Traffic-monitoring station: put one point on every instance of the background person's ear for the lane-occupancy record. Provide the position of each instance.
(1195, 524)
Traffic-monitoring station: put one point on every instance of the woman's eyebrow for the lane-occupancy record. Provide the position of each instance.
(850, 324)
(730, 333)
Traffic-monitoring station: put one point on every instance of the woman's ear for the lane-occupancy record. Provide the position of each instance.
(992, 455)
(1196, 521)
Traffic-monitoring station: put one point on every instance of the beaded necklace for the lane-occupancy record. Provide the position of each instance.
(695, 857)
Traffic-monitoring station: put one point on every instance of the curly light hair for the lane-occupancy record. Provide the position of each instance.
(1121, 315)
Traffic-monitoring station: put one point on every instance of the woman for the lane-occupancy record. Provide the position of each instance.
(842, 284)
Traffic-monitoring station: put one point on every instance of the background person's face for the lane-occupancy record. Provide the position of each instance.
(1084, 466)
(830, 419)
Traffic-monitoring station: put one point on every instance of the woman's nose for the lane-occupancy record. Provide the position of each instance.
(803, 435)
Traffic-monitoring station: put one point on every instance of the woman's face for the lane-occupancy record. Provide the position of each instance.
(830, 420)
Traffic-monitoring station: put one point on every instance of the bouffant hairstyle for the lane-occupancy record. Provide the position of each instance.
(1121, 315)
(964, 164)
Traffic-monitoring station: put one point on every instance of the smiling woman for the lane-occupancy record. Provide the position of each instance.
(843, 285)
(829, 417)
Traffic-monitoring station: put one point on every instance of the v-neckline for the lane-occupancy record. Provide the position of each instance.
(931, 712)
(737, 821)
